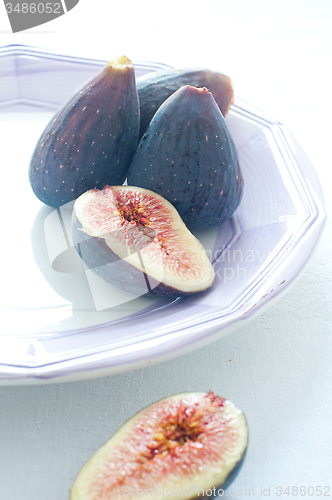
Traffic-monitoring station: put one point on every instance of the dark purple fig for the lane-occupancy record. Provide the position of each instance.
(189, 445)
(91, 139)
(188, 156)
(154, 88)
(136, 240)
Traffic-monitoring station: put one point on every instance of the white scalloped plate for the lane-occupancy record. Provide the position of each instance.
(61, 324)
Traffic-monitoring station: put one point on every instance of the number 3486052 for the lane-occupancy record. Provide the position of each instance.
(303, 491)
(34, 8)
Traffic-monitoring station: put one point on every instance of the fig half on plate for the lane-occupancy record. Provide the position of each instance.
(136, 240)
(189, 445)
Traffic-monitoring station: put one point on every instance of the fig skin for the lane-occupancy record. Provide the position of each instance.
(188, 156)
(154, 88)
(141, 251)
(90, 141)
(203, 432)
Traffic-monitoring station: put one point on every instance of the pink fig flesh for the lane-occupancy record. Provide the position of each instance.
(189, 442)
(145, 231)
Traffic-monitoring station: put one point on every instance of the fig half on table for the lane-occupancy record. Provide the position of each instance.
(189, 445)
(135, 239)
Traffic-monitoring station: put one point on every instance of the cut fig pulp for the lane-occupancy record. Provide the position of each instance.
(189, 445)
(136, 240)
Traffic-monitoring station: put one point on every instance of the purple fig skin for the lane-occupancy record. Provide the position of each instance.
(153, 89)
(194, 443)
(188, 156)
(135, 240)
(91, 139)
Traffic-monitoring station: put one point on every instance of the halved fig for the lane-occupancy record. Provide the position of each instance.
(136, 240)
(190, 444)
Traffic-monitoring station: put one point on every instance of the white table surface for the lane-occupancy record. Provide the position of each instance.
(278, 368)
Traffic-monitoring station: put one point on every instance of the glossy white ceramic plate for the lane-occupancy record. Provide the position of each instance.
(58, 321)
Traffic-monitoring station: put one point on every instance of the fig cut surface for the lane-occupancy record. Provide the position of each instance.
(186, 445)
(125, 228)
